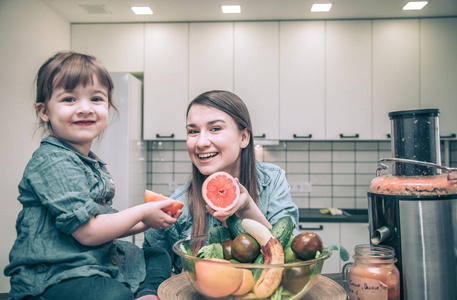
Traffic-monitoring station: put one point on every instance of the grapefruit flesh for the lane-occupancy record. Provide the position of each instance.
(150, 196)
(217, 280)
(221, 191)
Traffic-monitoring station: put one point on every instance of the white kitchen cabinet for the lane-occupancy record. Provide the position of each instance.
(438, 81)
(330, 234)
(353, 234)
(210, 57)
(395, 71)
(302, 80)
(348, 79)
(257, 74)
(119, 46)
(165, 80)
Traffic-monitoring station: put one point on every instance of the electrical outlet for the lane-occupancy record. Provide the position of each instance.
(300, 186)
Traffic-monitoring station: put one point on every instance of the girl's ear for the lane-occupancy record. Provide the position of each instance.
(245, 136)
(41, 109)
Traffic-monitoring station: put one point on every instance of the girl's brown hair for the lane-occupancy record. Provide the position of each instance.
(232, 105)
(68, 70)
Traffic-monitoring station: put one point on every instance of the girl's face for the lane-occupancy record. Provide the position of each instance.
(214, 141)
(77, 116)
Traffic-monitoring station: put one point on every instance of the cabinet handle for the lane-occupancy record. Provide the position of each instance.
(165, 136)
(260, 136)
(303, 136)
(388, 135)
(320, 227)
(356, 136)
(452, 136)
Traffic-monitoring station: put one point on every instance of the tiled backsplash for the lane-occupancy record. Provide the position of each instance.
(339, 172)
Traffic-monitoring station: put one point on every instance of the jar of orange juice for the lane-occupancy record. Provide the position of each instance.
(373, 274)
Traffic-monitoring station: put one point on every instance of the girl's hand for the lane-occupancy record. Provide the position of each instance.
(156, 218)
(148, 297)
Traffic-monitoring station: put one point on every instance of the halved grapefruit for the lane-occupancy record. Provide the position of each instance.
(221, 191)
(150, 196)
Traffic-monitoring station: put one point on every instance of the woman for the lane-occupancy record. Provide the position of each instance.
(219, 138)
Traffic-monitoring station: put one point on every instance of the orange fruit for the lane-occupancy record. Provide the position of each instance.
(221, 191)
(215, 279)
(150, 196)
(247, 283)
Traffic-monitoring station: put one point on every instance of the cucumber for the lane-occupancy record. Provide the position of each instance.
(256, 272)
(283, 229)
(234, 226)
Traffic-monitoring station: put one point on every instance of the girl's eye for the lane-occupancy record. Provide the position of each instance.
(68, 99)
(97, 99)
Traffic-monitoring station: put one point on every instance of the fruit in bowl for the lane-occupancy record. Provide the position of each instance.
(269, 274)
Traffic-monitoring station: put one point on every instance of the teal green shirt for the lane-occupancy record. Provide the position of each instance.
(275, 202)
(62, 189)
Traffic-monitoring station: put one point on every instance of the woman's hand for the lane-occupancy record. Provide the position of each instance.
(156, 218)
(245, 208)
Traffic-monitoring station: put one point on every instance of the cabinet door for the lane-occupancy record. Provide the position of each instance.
(353, 234)
(348, 85)
(119, 46)
(302, 84)
(395, 71)
(257, 74)
(165, 81)
(439, 70)
(210, 57)
(330, 234)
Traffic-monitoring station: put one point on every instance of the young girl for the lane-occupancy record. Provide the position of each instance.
(67, 231)
(219, 138)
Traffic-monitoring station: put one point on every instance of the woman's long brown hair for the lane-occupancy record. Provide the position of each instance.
(232, 105)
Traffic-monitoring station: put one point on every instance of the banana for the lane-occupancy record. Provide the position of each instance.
(272, 252)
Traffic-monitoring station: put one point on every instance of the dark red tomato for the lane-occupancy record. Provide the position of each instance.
(306, 244)
(245, 248)
(295, 278)
(227, 249)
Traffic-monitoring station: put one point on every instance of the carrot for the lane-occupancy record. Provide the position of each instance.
(150, 196)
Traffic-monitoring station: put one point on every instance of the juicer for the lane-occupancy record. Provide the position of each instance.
(412, 207)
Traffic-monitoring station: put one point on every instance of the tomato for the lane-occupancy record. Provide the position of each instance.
(150, 196)
(245, 248)
(306, 245)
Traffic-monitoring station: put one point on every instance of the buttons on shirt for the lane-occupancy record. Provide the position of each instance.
(41, 268)
(78, 205)
(115, 241)
(114, 261)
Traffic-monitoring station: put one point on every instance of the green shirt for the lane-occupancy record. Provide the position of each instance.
(62, 189)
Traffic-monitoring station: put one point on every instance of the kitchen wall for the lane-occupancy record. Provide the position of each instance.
(30, 32)
(339, 172)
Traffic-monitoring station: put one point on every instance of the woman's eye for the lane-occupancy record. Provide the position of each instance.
(191, 131)
(216, 128)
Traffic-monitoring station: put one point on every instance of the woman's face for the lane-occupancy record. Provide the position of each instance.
(214, 141)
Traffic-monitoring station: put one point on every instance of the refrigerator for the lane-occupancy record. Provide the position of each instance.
(121, 147)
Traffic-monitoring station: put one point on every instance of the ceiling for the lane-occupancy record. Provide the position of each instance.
(108, 11)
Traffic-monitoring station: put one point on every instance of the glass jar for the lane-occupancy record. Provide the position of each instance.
(373, 274)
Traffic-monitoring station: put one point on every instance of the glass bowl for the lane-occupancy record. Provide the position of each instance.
(222, 279)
